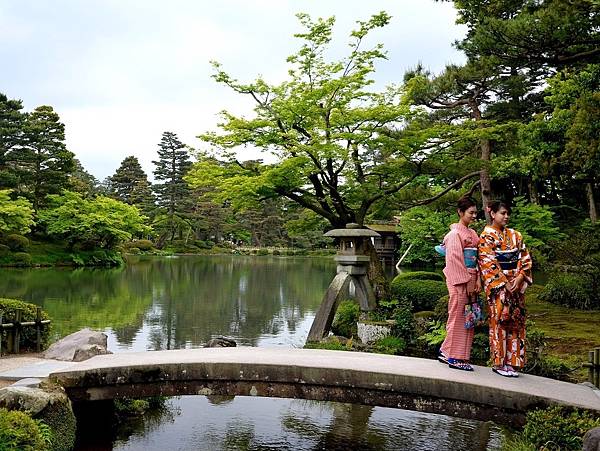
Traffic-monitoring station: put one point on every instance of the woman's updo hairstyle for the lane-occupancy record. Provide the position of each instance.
(497, 205)
(465, 202)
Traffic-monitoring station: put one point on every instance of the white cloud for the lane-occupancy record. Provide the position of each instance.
(121, 73)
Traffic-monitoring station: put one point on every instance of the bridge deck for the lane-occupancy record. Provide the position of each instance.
(372, 379)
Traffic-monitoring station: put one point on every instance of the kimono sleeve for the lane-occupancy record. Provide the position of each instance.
(455, 271)
(525, 262)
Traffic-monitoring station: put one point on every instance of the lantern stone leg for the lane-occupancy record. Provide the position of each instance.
(352, 269)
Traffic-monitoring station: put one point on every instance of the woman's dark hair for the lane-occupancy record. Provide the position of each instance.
(498, 204)
(465, 202)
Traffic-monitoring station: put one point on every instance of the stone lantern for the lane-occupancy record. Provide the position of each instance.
(353, 262)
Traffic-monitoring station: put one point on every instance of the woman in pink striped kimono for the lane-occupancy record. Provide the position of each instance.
(463, 282)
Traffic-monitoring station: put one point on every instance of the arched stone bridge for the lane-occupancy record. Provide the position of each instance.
(361, 378)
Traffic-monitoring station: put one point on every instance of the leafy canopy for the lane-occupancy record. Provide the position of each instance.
(101, 220)
(341, 145)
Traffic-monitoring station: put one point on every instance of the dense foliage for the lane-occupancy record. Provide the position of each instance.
(18, 431)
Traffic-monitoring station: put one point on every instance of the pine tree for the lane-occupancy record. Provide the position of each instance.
(174, 195)
(11, 136)
(81, 181)
(44, 162)
(130, 184)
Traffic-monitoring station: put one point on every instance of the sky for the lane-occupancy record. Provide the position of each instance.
(121, 72)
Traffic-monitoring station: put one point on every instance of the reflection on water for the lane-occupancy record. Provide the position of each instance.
(245, 423)
(167, 303)
(171, 303)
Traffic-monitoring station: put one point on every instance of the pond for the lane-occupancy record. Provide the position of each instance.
(156, 303)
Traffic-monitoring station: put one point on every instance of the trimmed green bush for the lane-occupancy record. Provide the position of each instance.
(346, 317)
(558, 428)
(389, 345)
(423, 294)
(21, 259)
(262, 252)
(143, 245)
(18, 431)
(17, 243)
(574, 290)
(8, 308)
(419, 275)
(134, 250)
(4, 249)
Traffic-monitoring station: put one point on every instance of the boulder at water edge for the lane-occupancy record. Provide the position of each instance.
(78, 346)
(221, 342)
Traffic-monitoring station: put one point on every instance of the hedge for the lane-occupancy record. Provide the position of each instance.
(8, 308)
(574, 290)
(419, 275)
(17, 243)
(424, 294)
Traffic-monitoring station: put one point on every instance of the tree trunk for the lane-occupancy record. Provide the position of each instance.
(589, 187)
(376, 275)
(484, 178)
(534, 196)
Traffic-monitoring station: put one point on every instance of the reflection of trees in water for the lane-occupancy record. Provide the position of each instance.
(184, 301)
(242, 297)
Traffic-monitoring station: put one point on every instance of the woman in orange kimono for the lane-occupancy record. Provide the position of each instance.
(462, 279)
(505, 266)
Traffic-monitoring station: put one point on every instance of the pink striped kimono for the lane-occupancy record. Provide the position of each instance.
(458, 340)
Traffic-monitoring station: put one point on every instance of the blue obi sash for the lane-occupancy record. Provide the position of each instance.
(469, 254)
(508, 259)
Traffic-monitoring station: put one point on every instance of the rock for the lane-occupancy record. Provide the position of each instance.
(52, 406)
(369, 332)
(221, 342)
(78, 346)
(591, 440)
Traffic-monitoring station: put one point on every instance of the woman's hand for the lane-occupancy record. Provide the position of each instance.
(478, 286)
(515, 284)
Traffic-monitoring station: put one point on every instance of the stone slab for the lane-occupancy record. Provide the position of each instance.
(39, 369)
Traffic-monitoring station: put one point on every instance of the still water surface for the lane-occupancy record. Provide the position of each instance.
(156, 303)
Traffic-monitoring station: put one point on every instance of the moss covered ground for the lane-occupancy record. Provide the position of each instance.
(571, 333)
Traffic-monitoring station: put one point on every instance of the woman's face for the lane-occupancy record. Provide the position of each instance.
(468, 216)
(500, 217)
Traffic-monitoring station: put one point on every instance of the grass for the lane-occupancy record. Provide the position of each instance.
(571, 333)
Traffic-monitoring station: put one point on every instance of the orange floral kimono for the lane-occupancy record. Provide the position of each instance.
(502, 257)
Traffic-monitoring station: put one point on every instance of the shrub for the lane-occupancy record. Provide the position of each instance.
(436, 334)
(209, 244)
(419, 275)
(480, 351)
(575, 290)
(540, 364)
(202, 244)
(441, 309)
(262, 252)
(404, 321)
(345, 320)
(18, 431)
(422, 293)
(21, 259)
(276, 252)
(558, 428)
(8, 308)
(4, 249)
(134, 250)
(144, 245)
(17, 243)
(389, 345)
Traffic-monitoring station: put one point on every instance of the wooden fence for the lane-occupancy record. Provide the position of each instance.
(15, 328)
(593, 365)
